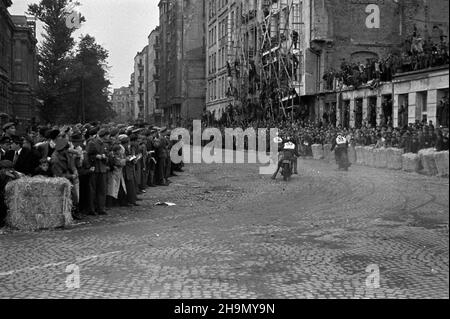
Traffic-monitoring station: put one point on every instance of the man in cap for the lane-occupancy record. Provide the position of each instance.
(63, 165)
(128, 170)
(26, 159)
(47, 147)
(9, 129)
(7, 174)
(97, 153)
(160, 144)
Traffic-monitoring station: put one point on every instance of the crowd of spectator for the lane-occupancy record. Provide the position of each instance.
(411, 138)
(417, 54)
(108, 165)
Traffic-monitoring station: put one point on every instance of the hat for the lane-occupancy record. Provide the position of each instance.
(53, 134)
(77, 137)
(61, 143)
(163, 130)
(114, 132)
(103, 132)
(8, 125)
(137, 131)
(123, 138)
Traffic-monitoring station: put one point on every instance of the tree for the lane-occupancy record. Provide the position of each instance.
(88, 73)
(54, 55)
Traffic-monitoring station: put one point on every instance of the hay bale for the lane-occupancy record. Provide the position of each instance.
(369, 156)
(359, 155)
(38, 203)
(317, 150)
(442, 163)
(411, 162)
(327, 152)
(352, 158)
(380, 157)
(394, 158)
(428, 162)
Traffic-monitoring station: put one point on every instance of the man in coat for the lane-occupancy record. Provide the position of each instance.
(340, 146)
(63, 165)
(97, 153)
(26, 159)
(128, 170)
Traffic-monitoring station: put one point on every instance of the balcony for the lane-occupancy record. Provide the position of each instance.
(156, 77)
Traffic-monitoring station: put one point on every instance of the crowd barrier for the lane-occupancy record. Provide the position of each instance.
(359, 155)
(394, 158)
(352, 154)
(427, 162)
(411, 162)
(38, 203)
(317, 150)
(328, 154)
(442, 163)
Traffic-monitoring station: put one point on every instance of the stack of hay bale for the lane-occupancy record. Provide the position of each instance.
(428, 162)
(359, 150)
(328, 154)
(38, 203)
(394, 158)
(442, 163)
(380, 155)
(352, 158)
(411, 162)
(317, 150)
(369, 156)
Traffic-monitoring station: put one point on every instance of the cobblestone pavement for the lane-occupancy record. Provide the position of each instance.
(236, 234)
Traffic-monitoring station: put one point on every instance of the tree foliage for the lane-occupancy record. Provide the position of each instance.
(72, 81)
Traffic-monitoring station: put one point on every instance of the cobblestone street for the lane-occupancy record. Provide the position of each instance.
(237, 234)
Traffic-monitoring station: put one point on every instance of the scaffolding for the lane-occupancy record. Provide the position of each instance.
(265, 56)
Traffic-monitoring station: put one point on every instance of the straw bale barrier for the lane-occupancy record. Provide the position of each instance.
(442, 162)
(38, 203)
(394, 158)
(411, 162)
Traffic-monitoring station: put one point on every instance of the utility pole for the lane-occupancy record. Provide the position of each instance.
(83, 115)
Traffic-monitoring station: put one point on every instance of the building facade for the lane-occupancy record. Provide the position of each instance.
(353, 32)
(275, 57)
(182, 60)
(122, 104)
(18, 65)
(139, 85)
(221, 16)
(153, 109)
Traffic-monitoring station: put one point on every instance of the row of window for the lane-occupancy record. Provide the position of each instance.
(217, 88)
(215, 5)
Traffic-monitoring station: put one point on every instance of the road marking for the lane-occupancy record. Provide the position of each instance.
(12, 272)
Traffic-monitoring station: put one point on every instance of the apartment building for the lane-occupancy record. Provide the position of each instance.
(182, 60)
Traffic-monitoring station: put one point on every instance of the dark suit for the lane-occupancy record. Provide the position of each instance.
(27, 161)
(98, 180)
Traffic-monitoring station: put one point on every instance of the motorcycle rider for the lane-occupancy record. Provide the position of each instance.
(288, 152)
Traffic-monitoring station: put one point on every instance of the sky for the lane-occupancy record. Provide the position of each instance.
(120, 26)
